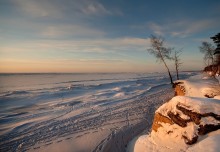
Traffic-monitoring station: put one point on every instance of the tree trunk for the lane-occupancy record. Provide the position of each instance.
(171, 80)
(177, 73)
(212, 59)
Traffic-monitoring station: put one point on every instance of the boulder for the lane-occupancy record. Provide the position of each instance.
(187, 118)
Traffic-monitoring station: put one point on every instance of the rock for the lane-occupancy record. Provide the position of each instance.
(179, 89)
(190, 141)
(207, 128)
(177, 119)
(158, 119)
(189, 118)
(195, 117)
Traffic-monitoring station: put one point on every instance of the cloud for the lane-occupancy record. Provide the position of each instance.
(133, 41)
(159, 30)
(95, 8)
(59, 19)
(39, 8)
(58, 9)
(118, 44)
(45, 30)
(104, 45)
(67, 30)
(187, 28)
(183, 28)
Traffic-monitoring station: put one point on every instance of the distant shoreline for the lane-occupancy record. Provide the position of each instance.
(30, 73)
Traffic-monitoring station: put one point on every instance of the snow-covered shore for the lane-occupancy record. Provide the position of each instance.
(100, 114)
(185, 123)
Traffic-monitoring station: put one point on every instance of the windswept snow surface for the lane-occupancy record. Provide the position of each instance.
(77, 112)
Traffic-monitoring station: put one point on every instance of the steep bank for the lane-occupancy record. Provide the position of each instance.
(186, 123)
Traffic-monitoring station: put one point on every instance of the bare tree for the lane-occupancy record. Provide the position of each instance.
(176, 58)
(160, 52)
(214, 69)
(208, 50)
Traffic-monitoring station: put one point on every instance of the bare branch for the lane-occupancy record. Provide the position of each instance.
(208, 50)
(176, 58)
(160, 52)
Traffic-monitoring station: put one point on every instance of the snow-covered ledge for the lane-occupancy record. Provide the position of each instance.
(186, 123)
(198, 86)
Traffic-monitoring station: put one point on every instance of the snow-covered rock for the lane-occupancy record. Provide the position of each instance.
(180, 123)
(186, 123)
(198, 86)
(190, 117)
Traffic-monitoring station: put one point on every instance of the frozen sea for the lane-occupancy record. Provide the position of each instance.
(39, 110)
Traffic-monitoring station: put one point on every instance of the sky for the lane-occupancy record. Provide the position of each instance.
(88, 36)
